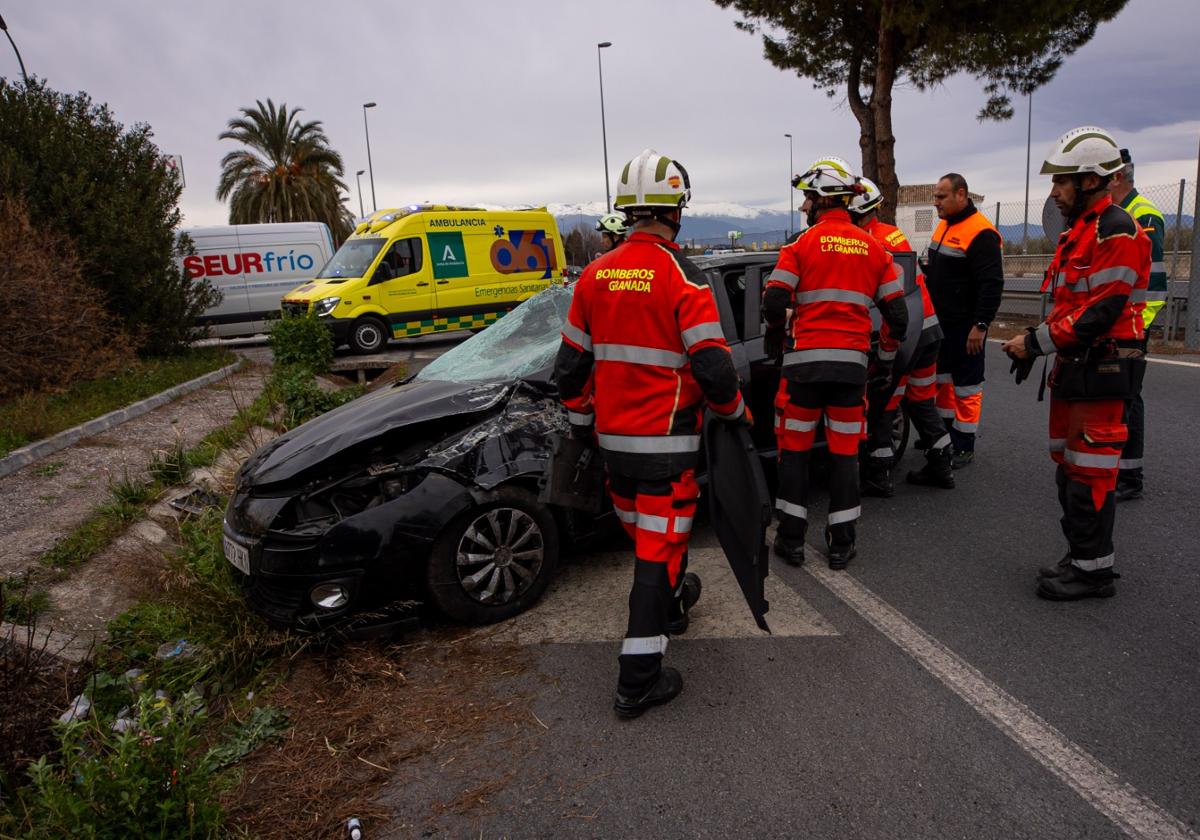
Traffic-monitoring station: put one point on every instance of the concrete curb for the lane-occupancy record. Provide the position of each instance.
(26, 455)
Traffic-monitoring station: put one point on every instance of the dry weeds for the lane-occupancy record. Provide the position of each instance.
(363, 717)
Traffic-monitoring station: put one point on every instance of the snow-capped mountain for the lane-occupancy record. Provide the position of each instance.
(700, 221)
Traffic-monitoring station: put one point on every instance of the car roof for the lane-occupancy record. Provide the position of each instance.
(723, 260)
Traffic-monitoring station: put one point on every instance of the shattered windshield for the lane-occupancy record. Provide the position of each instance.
(522, 342)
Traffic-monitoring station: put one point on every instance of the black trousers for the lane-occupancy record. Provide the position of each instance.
(1134, 451)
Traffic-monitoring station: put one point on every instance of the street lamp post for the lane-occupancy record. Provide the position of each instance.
(370, 168)
(358, 177)
(791, 191)
(603, 129)
(4, 26)
(1028, 140)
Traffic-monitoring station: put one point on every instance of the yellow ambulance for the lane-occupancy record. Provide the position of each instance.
(431, 268)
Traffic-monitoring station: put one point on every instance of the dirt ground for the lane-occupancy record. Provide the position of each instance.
(46, 500)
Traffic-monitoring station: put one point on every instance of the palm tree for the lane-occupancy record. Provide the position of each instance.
(287, 173)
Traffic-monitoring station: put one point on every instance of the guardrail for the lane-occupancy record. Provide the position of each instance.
(1178, 264)
(1023, 297)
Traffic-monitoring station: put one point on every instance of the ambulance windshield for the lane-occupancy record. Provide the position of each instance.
(521, 343)
(353, 258)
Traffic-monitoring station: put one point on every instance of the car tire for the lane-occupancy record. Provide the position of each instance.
(472, 573)
(900, 430)
(368, 335)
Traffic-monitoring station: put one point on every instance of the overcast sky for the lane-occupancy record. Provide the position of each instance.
(498, 102)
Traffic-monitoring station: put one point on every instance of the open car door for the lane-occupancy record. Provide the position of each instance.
(740, 508)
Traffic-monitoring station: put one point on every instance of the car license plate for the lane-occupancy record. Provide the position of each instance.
(238, 555)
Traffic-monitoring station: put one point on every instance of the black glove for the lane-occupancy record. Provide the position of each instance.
(1021, 368)
(773, 340)
(879, 377)
(583, 434)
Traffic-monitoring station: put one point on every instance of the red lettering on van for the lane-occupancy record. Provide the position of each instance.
(252, 262)
(212, 265)
(193, 266)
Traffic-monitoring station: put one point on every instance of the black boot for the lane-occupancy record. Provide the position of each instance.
(1073, 584)
(937, 471)
(792, 551)
(840, 554)
(1128, 489)
(688, 595)
(665, 689)
(962, 458)
(877, 478)
(1057, 569)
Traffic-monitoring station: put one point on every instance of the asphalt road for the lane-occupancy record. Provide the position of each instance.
(942, 699)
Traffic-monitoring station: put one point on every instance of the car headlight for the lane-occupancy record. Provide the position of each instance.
(325, 305)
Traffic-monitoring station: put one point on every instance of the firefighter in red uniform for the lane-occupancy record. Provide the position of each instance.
(917, 387)
(641, 354)
(828, 279)
(1097, 331)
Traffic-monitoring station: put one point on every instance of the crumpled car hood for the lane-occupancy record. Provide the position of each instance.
(366, 419)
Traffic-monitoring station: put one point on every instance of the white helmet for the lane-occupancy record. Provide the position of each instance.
(866, 201)
(654, 182)
(1083, 149)
(613, 223)
(829, 176)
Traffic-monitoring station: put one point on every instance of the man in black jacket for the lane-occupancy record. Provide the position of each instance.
(965, 277)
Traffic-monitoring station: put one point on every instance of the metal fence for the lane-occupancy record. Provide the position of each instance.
(1175, 201)
(1027, 251)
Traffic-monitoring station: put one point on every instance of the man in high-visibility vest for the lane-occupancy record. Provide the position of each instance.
(1150, 219)
(965, 278)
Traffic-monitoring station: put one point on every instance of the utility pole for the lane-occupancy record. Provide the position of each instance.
(603, 130)
(370, 168)
(1028, 140)
(1192, 339)
(791, 190)
(4, 26)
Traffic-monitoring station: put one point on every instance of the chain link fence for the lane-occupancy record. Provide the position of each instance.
(1027, 248)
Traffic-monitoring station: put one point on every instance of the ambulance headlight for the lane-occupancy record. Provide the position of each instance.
(325, 305)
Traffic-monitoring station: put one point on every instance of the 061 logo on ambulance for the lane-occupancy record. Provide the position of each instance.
(524, 250)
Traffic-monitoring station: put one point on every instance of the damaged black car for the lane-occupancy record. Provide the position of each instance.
(427, 491)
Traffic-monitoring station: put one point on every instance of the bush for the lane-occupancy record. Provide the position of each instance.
(55, 331)
(105, 188)
(149, 779)
(301, 341)
(303, 399)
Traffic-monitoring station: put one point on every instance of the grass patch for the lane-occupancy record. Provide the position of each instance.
(170, 466)
(21, 600)
(34, 416)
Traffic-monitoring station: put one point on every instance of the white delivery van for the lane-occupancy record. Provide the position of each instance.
(253, 266)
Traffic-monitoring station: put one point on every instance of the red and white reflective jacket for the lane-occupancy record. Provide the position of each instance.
(642, 348)
(895, 241)
(829, 277)
(1099, 261)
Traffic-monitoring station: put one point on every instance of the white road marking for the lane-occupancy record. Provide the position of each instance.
(1157, 359)
(1103, 789)
(589, 602)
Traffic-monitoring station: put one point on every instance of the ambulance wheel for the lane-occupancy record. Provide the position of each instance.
(495, 560)
(368, 335)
